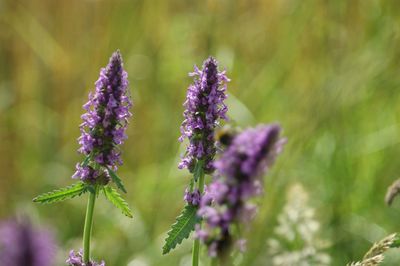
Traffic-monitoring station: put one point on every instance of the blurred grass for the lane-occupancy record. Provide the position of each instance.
(327, 70)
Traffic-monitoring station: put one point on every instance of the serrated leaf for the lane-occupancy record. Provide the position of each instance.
(62, 193)
(181, 229)
(115, 198)
(117, 180)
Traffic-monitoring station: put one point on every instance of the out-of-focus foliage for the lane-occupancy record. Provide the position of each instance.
(295, 240)
(327, 70)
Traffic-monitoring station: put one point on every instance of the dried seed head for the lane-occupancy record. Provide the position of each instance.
(380, 247)
(369, 262)
(392, 192)
(374, 256)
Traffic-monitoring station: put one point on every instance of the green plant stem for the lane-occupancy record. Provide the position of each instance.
(196, 243)
(195, 253)
(87, 230)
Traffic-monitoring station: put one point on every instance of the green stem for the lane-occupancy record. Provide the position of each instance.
(87, 230)
(196, 251)
(201, 183)
(196, 243)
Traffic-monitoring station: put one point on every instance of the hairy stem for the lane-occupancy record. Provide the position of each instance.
(87, 230)
(196, 243)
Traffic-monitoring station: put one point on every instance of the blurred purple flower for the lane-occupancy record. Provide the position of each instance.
(105, 120)
(204, 107)
(239, 178)
(23, 245)
(76, 259)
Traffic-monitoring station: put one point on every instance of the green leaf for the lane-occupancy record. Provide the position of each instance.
(191, 184)
(62, 193)
(86, 161)
(116, 179)
(115, 198)
(91, 188)
(198, 170)
(181, 229)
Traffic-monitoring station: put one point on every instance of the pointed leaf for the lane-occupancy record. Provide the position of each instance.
(62, 193)
(115, 198)
(117, 180)
(181, 229)
(86, 161)
(198, 170)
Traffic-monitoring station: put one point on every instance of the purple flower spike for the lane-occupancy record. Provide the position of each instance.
(105, 120)
(21, 244)
(250, 153)
(204, 107)
(76, 259)
(239, 178)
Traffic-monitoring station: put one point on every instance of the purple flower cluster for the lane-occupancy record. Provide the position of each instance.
(76, 259)
(21, 244)
(192, 197)
(239, 178)
(204, 107)
(105, 120)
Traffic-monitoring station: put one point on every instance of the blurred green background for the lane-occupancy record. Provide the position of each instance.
(328, 71)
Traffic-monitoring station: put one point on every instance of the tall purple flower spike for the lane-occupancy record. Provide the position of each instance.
(239, 178)
(105, 121)
(76, 259)
(21, 244)
(204, 107)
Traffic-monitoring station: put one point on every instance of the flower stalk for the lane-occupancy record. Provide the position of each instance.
(102, 132)
(196, 241)
(204, 108)
(87, 230)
